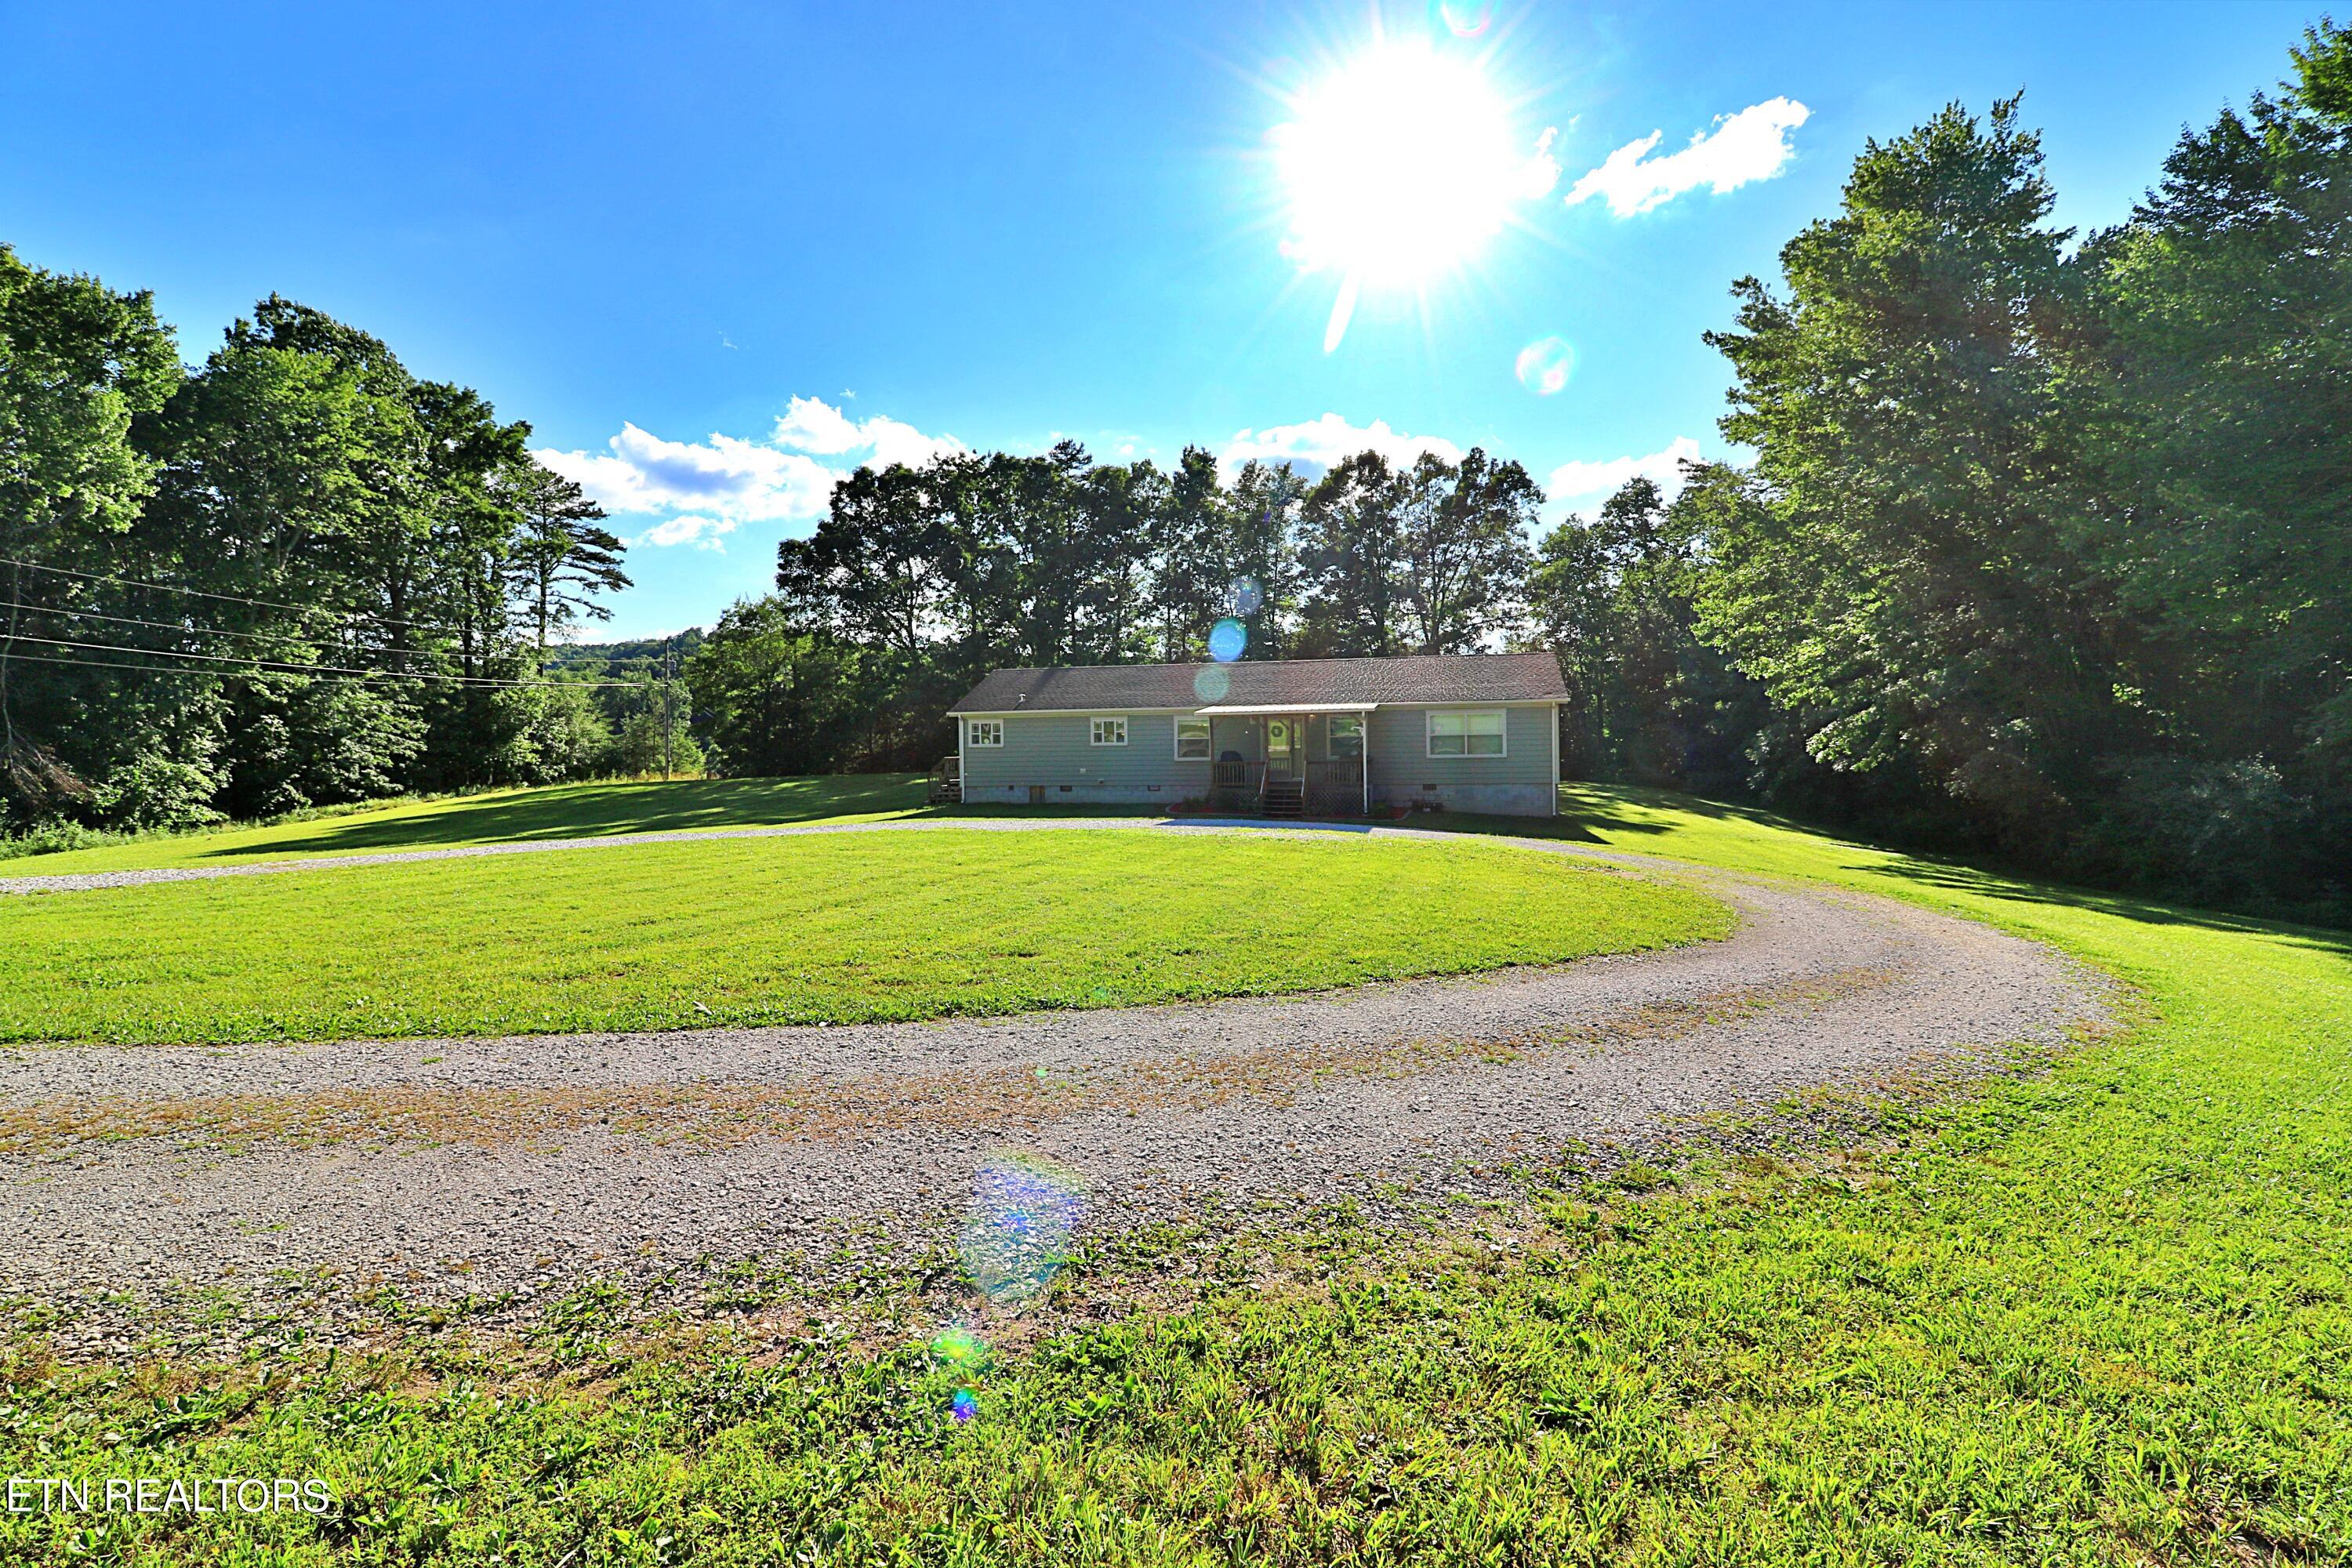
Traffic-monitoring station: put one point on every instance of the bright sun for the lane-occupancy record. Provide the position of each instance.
(1397, 166)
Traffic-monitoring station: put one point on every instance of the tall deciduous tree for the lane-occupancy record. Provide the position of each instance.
(2225, 379)
(1351, 558)
(1907, 579)
(78, 361)
(1463, 551)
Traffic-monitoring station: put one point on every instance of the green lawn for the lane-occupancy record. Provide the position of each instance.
(559, 811)
(2097, 1316)
(838, 929)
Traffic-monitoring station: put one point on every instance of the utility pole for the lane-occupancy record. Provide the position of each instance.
(669, 727)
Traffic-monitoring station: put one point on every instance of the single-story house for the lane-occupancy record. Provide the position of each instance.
(1322, 736)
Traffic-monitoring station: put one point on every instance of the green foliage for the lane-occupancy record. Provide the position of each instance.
(298, 503)
(1904, 584)
(1614, 598)
(2053, 545)
(77, 362)
(656, 739)
(2225, 376)
(779, 701)
(562, 558)
(919, 582)
(677, 935)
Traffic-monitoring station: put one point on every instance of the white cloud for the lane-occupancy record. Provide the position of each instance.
(896, 442)
(1540, 173)
(715, 484)
(702, 532)
(1325, 441)
(1752, 144)
(812, 425)
(1574, 486)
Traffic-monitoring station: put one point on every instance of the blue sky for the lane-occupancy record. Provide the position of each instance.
(650, 230)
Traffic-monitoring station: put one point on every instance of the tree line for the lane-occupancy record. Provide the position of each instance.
(920, 581)
(2042, 550)
(294, 575)
(2045, 551)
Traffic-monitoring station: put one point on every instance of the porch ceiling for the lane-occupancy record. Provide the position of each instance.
(1274, 710)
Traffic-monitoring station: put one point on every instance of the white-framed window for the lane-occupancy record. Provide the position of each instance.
(1476, 732)
(983, 731)
(1108, 731)
(1192, 739)
(1346, 736)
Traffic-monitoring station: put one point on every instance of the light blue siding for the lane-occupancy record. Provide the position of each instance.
(1057, 749)
(1518, 783)
(1054, 751)
(1400, 751)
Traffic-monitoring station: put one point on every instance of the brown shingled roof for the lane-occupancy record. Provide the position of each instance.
(1415, 678)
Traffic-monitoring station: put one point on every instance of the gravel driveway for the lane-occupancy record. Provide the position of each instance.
(457, 1166)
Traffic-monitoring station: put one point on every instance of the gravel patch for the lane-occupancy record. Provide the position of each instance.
(453, 1167)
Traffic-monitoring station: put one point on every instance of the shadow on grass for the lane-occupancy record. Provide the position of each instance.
(1954, 877)
(1587, 807)
(595, 810)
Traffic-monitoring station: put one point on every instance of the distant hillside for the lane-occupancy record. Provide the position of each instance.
(608, 657)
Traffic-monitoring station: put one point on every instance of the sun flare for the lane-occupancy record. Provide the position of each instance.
(1397, 166)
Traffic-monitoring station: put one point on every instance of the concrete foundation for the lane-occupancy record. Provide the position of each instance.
(1077, 794)
(1486, 799)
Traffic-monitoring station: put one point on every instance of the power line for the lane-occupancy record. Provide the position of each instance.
(112, 664)
(158, 626)
(375, 679)
(284, 667)
(248, 636)
(206, 593)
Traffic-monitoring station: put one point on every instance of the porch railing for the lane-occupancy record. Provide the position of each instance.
(1336, 785)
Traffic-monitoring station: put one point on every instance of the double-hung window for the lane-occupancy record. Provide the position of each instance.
(1347, 736)
(1191, 740)
(1477, 732)
(1109, 732)
(983, 731)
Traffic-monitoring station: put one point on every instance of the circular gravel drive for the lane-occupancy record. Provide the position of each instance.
(480, 1165)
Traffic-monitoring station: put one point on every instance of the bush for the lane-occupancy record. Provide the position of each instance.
(55, 834)
(2218, 833)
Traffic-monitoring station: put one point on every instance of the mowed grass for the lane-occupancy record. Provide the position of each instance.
(831, 928)
(557, 811)
(2098, 1316)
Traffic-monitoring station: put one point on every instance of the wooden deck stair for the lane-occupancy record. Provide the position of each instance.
(1285, 797)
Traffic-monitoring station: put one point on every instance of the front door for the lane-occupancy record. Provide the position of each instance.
(1283, 743)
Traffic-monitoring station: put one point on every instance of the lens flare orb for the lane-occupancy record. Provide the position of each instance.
(1212, 685)
(964, 1406)
(959, 1350)
(1249, 596)
(1545, 365)
(1026, 1209)
(1228, 640)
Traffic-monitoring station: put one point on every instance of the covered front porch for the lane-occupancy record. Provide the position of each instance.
(1288, 760)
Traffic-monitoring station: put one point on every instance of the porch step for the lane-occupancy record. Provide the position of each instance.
(1285, 797)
